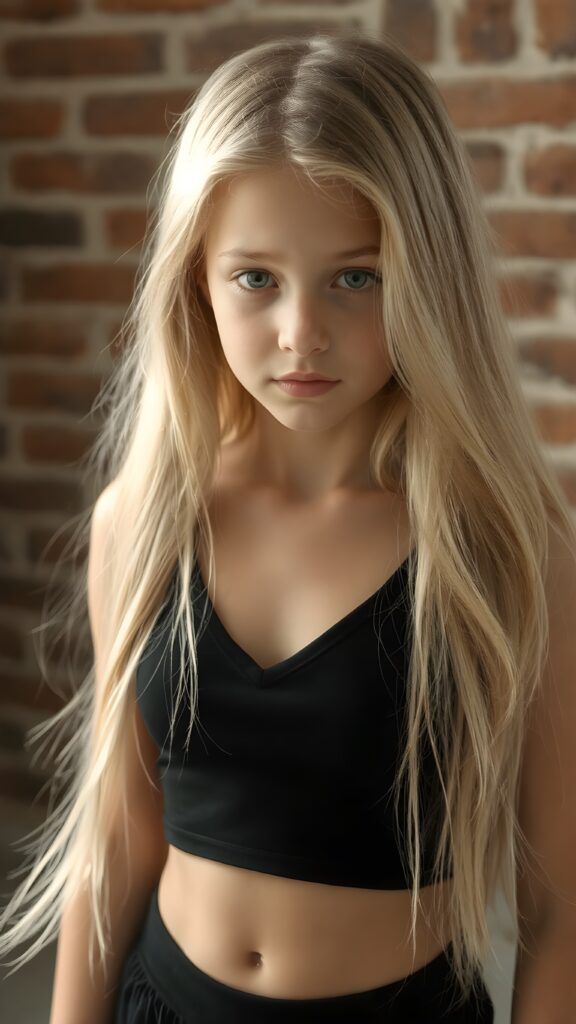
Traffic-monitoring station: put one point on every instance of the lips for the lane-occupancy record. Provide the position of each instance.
(306, 388)
(306, 378)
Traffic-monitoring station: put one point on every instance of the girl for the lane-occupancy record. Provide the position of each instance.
(319, 587)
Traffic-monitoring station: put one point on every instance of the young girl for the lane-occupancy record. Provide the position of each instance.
(327, 584)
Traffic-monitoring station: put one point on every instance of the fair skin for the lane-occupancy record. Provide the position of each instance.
(296, 503)
(306, 310)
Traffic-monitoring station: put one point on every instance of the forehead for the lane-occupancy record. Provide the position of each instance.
(284, 199)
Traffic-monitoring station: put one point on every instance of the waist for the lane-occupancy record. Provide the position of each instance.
(300, 935)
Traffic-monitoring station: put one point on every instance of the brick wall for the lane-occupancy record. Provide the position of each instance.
(89, 92)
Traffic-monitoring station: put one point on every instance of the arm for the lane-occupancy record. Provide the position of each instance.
(545, 980)
(545, 976)
(75, 998)
(134, 866)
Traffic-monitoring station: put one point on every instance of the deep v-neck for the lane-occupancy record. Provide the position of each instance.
(247, 664)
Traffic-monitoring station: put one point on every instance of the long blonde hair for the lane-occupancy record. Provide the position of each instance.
(456, 440)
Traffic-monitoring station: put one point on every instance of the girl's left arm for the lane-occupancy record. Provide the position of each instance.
(545, 977)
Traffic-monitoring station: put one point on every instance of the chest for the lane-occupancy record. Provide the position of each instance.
(284, 575)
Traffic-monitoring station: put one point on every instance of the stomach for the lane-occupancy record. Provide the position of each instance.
(293, 939)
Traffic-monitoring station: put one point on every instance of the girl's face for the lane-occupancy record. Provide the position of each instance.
(296, 300)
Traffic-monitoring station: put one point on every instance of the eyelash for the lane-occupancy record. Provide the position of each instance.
(377, 279)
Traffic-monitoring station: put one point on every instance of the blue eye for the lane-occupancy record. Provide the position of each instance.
(376, 279)
(248, 273)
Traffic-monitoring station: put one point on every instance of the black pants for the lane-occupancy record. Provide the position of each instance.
(160, 985)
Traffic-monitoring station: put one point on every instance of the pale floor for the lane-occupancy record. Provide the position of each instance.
(25, 996)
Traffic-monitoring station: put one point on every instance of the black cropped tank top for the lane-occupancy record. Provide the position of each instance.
(290, 769)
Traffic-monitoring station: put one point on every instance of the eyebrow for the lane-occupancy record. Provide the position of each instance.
(350, 254)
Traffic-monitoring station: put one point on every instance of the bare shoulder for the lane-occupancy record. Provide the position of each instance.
(547, 810)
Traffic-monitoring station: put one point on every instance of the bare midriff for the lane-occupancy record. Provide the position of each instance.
(293, 939)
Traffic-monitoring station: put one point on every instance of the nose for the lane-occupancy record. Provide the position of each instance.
(302, 329)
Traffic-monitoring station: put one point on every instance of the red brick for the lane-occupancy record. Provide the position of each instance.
(9, 546)
(484, 31)
(556, 357)
(556, 27)
(40, 494)
(44, 391)
(38, 10)
(78, 283)
(139, 113)
(30, 118)
(412, 24)
(500, 102)
(19, 592)
(6, 275)
(49, 443)
(487, 163)
(21, 785)
(551, 170)
(206, 50)
(46, 546)
(12, 733)
(331, 3)
(523, 295)
(24, 336)
(11, 643)
(20, 226)
(556, 422)
(160, 6)
(75, 56)
(29, 693)
(125, 228)
(544, 233)
(567, 481)
(110, 173)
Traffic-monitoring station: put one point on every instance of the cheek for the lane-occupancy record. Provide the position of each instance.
(232, 332)
(377, 343)
(376, 362)
(241, 348)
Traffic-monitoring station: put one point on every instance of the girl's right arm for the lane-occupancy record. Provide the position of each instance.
(135, 867)
(76, 998)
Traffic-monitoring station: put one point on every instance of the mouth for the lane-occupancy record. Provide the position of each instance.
(303, 388)
(307, 379)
